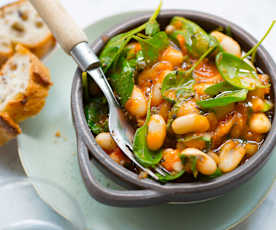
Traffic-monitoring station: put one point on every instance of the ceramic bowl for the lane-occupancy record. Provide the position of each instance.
(146, 192)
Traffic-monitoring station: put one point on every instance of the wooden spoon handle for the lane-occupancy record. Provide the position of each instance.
(61, 24)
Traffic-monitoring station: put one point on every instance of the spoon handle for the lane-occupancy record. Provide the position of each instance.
(61, 24)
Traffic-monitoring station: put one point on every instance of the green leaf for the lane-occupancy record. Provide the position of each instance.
(197, 40)
(237, 72)
(141, 151)
(153, 46)
(123, 80)
(177, 85)
(268, 105)
(219, 88)
(115, 45)
(223, 99)
(193, 161)
(202, 136)
(216, 174)
(170, 177)
(152, 28)
(96, 115)
(112, 50)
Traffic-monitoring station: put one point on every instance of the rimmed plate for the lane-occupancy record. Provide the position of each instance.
(46, 155)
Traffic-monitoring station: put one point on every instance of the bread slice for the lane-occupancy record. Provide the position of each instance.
(8, 128)
(24, 85)
(21, 24)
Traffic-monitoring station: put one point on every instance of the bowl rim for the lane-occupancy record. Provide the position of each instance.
(215, 186)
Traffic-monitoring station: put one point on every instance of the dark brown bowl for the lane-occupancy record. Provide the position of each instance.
(149, 192)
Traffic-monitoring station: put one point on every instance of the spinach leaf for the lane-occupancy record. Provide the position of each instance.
(176, 85)
(224, 99)
(152, 28)
(170, 177)
(218, 88)
(115, 45)
(216, 174)
(141, 151)
(96, 115)
(192, 162)
(196, 39)
(113, 49)
(202, 136)
(267, 106)
(237, 72)
(123, 81)
(179, 84)
(152, 47)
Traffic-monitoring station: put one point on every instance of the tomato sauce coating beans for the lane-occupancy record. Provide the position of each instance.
(199, 105)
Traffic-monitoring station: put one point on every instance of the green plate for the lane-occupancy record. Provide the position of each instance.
(43, 155)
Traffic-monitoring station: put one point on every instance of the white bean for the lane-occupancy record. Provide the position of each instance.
(205, 164)
(259, 123)
(106, 142)
(137, 103)
(156, 97)
(173, 56)
(190, 123)
(231, 155)
(156, 132)
(227, 43)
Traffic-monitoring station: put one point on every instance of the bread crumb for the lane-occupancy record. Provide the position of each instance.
(58, 134)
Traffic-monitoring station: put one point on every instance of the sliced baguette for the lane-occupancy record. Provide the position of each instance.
(21, 24)
(8, 128)
(24, 85)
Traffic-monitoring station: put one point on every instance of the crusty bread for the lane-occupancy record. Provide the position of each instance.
(21, 24)
(24, 85)
(8, 128)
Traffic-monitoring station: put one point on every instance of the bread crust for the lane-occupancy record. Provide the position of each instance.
(40, 49)
(8, 128)
(30, 103)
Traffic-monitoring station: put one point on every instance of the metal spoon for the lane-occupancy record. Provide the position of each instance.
(75, 43)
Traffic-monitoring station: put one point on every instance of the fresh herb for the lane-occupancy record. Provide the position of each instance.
(218, 88)
(176, 85)
(123, 81)
(96, 115)
(237, 72)
(141, 151)
(116, 45)
(197, 40)
(113, 49)
(153, 46)
(170, 177)
(179, 84)
(152, 26)
(223, 99)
